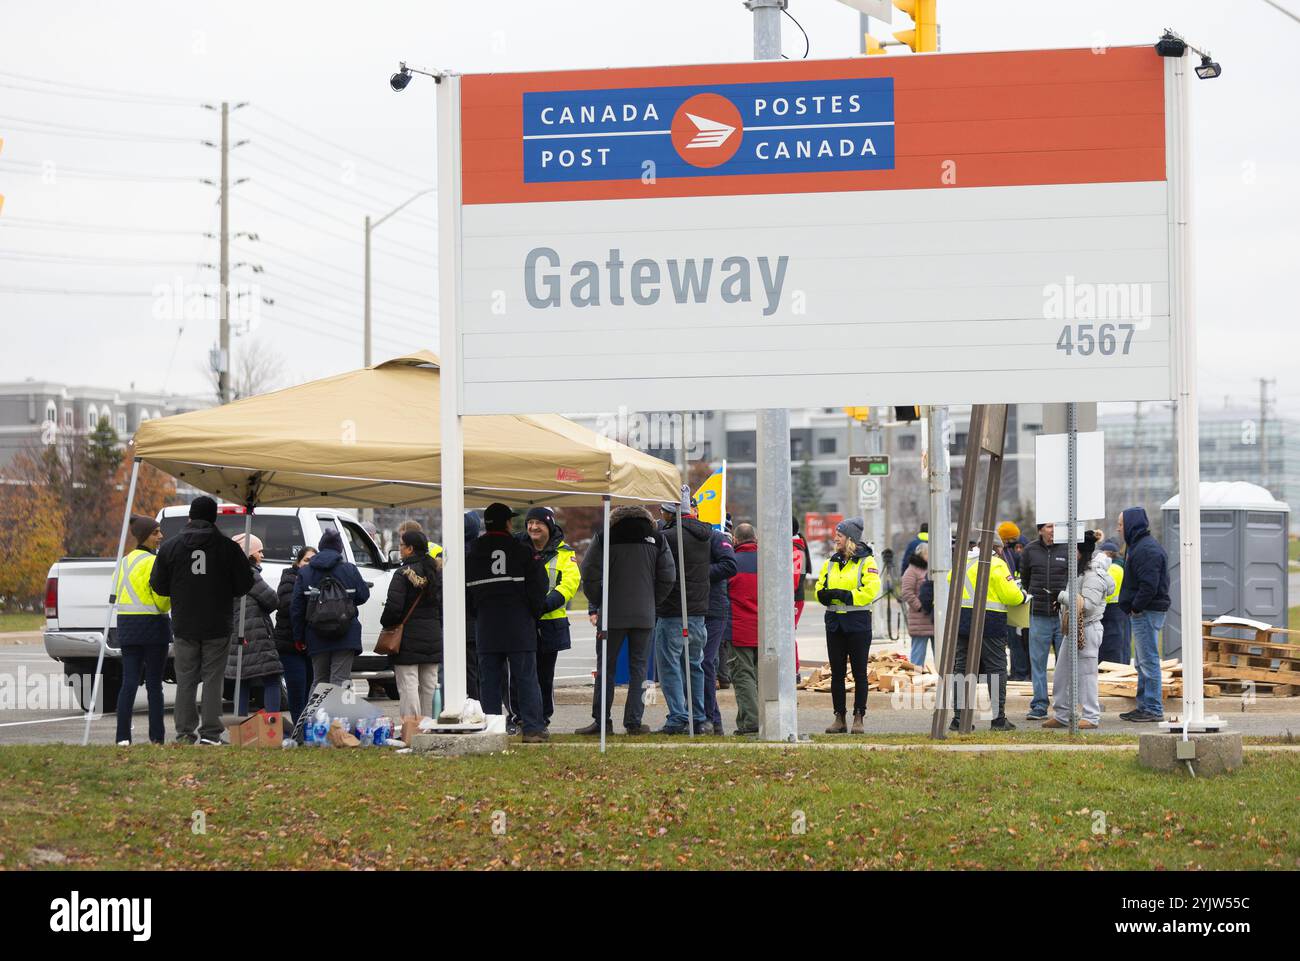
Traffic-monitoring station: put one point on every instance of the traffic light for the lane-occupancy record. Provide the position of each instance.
(858, 413)
(924, 35)
(907, 413)
(872, 45)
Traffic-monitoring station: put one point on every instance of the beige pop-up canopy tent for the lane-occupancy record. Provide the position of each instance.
(371, 438)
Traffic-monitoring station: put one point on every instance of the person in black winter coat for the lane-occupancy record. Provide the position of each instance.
(331, 657)
(260, 665)
(1044, 573)
(416, 590)
(201, 570)
(507, 591)
(641, 573)
(1144, 597)
(293, 656)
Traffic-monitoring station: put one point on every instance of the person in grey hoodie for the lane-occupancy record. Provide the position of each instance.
(1095, 584)
(641, 574)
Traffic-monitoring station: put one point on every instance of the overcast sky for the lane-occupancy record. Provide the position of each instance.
(329, 143)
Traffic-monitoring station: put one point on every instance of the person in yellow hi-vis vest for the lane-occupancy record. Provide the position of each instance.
(847, 586)
(1116, 644)
(144, 631)
(1003, 592)
(546, 538)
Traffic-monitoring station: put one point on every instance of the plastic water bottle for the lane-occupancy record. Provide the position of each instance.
(363, 731)
(382, 728)
(320, 728)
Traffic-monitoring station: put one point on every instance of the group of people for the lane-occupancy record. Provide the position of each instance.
(190, 590)
(1122, 603)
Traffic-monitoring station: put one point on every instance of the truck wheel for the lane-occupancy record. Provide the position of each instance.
(80, 674)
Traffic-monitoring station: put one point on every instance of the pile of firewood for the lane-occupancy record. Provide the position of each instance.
(885, 672)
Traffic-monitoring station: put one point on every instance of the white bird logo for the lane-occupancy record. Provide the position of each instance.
(712, 133)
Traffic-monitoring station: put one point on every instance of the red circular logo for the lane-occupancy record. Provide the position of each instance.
(706, 130)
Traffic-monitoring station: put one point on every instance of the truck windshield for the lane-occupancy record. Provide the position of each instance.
(281, 535)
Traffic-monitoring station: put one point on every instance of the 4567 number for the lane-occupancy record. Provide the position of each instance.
(1108, 339)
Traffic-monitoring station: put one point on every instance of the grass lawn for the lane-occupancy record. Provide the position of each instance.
(1293, 549)
(21, 621)
(566, 807)
(1293, 618)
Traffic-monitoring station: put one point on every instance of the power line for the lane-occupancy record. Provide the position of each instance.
(104, 92)
(331, 282)
(335, 194)
(49, 257)
(332, 180)
(329, 233)
(96, 133)
(33, 168)
(343, 310)
(33, 223)
(347, 150)
(1284, 10)
(342, 270)
(7, 289)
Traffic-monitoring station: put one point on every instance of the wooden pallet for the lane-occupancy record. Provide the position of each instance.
(1233, 688)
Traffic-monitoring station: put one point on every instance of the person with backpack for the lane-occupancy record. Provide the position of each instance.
(918, 598)
(323, 611)
(260, 664)
(201, 570)
(415, 601)
(294, 659)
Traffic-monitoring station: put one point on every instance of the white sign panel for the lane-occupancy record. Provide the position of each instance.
(1051, 478)
(839, 232)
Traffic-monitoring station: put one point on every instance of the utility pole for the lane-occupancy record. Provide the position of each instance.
(939, 478)
(223, 290)
(778, 716)
(1139, 461)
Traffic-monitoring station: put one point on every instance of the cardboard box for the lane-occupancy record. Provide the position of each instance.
(263, 729)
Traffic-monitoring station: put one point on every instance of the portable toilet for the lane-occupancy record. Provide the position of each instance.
(1244, 534)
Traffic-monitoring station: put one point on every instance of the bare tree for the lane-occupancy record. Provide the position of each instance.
(254, 369)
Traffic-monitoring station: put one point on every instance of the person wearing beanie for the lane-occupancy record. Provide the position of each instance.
(332, 636)
(143, 630)
(545, 538)
(508, 592)
(849, 583)
(1094, 584)
(201, 570)
(260, 665)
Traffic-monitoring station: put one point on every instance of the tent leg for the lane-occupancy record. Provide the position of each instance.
(112, 604)
(243, 607)
(604, 626)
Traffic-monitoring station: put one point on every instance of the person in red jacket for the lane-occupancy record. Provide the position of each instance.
(744, 630)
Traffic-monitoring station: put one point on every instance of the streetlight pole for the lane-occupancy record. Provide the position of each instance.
(371, 225)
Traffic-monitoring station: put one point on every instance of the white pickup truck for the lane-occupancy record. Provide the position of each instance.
(77, 590)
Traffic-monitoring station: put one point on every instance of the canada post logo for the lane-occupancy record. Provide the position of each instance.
(736, 129)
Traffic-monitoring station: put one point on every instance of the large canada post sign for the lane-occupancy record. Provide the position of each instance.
(959, 228)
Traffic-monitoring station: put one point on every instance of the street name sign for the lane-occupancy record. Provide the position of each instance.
(874, 465)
